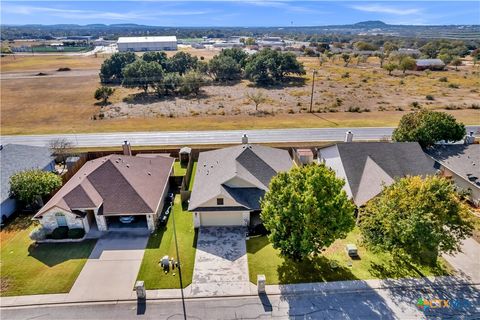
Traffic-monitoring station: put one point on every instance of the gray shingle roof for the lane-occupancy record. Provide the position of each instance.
(121, 184)
(369, 164)
(464, 160)
(429, 62)
(17, 157)
(242, 172)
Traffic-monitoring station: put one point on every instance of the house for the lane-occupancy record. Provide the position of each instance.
(16, 158)
(367, 166)
(461, 163)
(108, 188)
(430, 64)
(229, 183)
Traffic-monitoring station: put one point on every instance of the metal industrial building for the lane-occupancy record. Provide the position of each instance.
(147, 43)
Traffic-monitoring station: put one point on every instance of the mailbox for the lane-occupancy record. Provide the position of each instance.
(140, 289)
(261, 283)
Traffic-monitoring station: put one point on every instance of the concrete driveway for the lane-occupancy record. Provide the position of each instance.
(221, 266)
(467, 262)
(112, 268)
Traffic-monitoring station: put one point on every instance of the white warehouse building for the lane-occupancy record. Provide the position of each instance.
(147, 43)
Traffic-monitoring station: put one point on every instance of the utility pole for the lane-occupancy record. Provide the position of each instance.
(179, 264)
(313, 85)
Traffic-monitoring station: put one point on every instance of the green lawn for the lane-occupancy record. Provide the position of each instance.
(162, 243)
(178, 169)
(192, 179)
(27, 268)
(333, 265)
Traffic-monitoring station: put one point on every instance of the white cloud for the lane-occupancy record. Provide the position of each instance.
(93, 14)
(380, 8)
(283, 4)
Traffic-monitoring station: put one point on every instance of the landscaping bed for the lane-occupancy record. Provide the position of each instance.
(162, 243)
(29, 268)
(333, 265)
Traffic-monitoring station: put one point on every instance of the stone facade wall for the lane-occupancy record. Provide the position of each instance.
(49, 220)
(151, 222)
(101, 222)
(246, 219)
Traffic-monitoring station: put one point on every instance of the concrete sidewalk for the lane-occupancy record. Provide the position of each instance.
(284, 290)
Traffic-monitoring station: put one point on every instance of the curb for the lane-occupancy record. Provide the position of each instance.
(285, 293)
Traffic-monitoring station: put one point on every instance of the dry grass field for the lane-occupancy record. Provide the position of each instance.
(66, 104)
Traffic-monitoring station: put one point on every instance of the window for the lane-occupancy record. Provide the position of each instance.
(61, 220)
(219, 201)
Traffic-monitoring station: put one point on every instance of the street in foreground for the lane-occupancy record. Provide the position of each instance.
(462, 302)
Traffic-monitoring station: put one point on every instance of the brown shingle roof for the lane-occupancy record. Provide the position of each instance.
(121, 184)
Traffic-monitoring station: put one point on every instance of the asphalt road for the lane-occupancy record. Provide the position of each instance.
(463, 303)
(207, 137)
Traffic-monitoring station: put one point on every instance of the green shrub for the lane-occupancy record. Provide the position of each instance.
(429, 97)
(76, 233)
(453, 86)
(38, 234)
(443, 79)
(354, 109)
(59, 233)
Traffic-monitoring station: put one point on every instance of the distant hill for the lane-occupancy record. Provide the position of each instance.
(345, 32)
(370, 24)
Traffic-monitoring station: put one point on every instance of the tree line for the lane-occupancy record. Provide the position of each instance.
(185, 74)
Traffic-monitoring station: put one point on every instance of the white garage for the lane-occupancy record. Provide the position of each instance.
(222, 218)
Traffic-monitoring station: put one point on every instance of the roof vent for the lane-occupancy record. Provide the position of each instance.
(128, 166)
(149, 173)
(470, 138)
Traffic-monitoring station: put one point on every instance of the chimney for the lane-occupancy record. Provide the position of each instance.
(244, 139)
(470, 138)
(127, 150)
(349, 136)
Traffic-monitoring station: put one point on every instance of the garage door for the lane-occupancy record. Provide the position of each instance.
(224, 218)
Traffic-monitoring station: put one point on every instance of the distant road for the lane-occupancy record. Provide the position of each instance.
(178, 138)
(48, 74)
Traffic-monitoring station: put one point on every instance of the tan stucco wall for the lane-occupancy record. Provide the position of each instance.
(462, 184)
(227, 202)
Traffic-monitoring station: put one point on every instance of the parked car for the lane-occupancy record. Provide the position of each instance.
(126, 219)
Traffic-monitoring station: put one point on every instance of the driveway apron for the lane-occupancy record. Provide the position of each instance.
(112, 267)
(221, 266)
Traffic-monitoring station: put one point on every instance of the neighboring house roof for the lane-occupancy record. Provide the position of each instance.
(463, 160)
(119, 184)
(242, 172)
(17, 157)
(429, 62)
(370, 165)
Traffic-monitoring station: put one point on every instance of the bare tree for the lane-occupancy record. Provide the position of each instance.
(256, 97)
(61, 149)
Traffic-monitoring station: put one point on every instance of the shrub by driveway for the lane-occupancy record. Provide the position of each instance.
(162, 243)
(38, 269)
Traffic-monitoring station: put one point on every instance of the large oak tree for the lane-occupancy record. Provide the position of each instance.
(428, 127)
(306, 210)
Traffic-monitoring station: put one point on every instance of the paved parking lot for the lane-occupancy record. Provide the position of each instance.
(112, 268)
(221, 266)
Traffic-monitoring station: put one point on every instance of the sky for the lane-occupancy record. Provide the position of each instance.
(239, 13)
